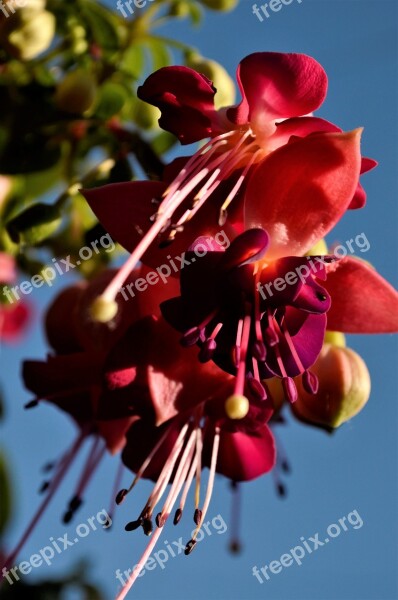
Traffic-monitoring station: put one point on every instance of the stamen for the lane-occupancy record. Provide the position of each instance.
(123, 493)
(209, 491)
(235, 545)
(55, 483)
(236, 188)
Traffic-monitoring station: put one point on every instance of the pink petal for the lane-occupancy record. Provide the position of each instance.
(300, 191)
(362, 300)
(278, 86)
(13, 320)
(243, 457)
(186, 100)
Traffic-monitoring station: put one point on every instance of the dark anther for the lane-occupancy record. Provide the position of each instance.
(120, 496)
(44, 486)
(159, 519)
(31, 404)
(197, 516)
(133, 525)
(67, 518)
(75, 503)
(147, 526)
(177, 516)
(189, 547)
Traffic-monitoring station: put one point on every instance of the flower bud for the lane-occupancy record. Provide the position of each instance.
(145, 115)
(344, 388)
(77, 92)
(179, 9)
(218, 75)
(28, 32)
(223, 5)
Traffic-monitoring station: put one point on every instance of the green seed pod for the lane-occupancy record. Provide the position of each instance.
(222, 5)
(76, 93)
(223, 83)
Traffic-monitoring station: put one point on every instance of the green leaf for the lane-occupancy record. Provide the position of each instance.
(5, 504)
(112, 99)
(161, 56)
(35, 224)
(102, 24)
(195, 13)
(133, 62)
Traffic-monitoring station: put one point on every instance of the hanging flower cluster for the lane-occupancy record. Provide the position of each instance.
(195, 372)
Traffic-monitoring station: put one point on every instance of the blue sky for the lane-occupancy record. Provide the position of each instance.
(354, 469)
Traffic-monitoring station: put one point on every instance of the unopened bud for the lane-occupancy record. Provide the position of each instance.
(223, 83)
(344, 388)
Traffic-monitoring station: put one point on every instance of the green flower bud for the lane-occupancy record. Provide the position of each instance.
(28, 32)
(344, 389)
(145, 115)
(179, 9)
(218, 75)
(77, 92)
(223, 5)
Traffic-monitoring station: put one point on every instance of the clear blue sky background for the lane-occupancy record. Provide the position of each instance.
(355, 469)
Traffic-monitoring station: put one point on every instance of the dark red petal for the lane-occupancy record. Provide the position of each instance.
(142, 438)
(186, 101)
(249, 247)
(309, 185)
(61, 327)
(278, 86)
(243, 457)
(362, 300)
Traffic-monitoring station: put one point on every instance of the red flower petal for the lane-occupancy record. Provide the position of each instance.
(243, 457)
(359, 199)
(186, 100)
(362, 300)
(309, 186)
(277, 86)
(13, 320)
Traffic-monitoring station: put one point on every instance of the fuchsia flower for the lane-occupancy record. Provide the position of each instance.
(14, 317)
(265, 150)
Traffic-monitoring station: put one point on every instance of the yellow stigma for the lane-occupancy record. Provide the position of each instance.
(102, 310)
(236, 406)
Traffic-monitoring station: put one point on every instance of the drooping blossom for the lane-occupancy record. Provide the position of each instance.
(269, 132)
(259, 314)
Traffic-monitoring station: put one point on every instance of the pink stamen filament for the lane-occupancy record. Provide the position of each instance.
(148, 460)
(240, 181)
(180, 475)
(210, 483)
(138, 568)
(116, 487)
(199, 446)
(166, 472)
(240, 377)
(93, 461)
(54, 485)
(189, 481)
(197, 157)
(171, 202)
